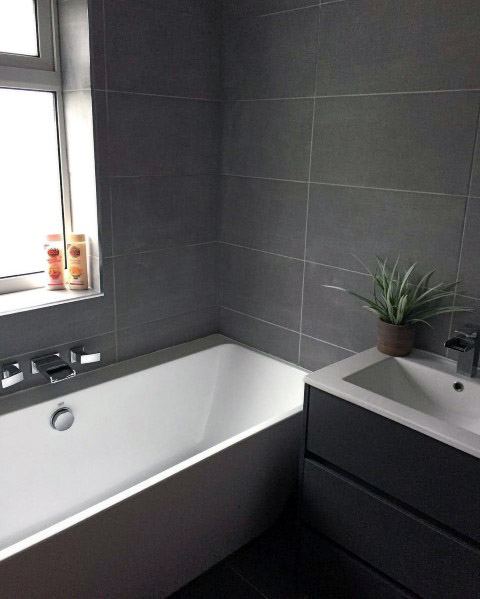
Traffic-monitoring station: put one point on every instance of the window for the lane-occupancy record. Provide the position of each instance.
(34, 195)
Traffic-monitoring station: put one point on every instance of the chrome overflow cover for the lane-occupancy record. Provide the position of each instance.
(62, 419)
(458, 386)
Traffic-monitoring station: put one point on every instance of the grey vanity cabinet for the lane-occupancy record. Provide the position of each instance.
(403, 503)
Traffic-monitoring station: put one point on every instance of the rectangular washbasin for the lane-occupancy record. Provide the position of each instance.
(421, 391)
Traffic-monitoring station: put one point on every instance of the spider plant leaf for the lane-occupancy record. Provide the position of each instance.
(406, 277)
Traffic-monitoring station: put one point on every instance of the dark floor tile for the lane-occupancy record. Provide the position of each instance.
(270, 57)
(398, 45)
(270, 562)
(221, 582)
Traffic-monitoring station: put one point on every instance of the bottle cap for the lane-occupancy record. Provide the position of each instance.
(76, 237)
(54, 237)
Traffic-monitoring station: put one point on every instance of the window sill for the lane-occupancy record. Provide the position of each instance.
(21, 301)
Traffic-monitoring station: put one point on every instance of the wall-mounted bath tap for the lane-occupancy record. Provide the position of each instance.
(78, 354)
(467, 344)
(53, 368)
(11, 375)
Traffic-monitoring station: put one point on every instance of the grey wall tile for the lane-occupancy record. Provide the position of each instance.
(266, 215)
(165, 283)
(469, 273)
(261, 7)
(47, 327)
(475, 182)
(262, 285)
(421, 142)
(150, 135)
(155, 212)
(432, 338)
(261, 335)
(400, 46)
(271, 57)
(105, 344)
(346, 223)
(153, 51)
(462, 319)
(151, 336)
(267, 139)
(104, 217)
(173, 7)
(315, 354)
(334, 316)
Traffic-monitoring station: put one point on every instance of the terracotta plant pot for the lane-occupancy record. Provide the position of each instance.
(394, 339)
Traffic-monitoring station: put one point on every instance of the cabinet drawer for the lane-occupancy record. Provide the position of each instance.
(423, 558)
(434, 478)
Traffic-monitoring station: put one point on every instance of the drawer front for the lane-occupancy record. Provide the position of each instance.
(420, 557)
(434, 478)
(328, 571)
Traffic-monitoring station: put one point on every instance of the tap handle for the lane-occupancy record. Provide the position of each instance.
(470, 331)
(11, 375)
(78, 354)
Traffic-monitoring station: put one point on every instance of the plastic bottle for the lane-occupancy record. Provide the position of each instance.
(55, 266)
(77, 262)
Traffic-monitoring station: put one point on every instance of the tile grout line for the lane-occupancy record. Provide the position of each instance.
(107, 157)
(150, 94)
(470, 180)
(169, 317)
(414, 92)
(250, 584)
(279, 326)
(352, 185)
(309, 182)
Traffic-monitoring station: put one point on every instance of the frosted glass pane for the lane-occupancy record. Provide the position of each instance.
(30, 192)
(18, 27)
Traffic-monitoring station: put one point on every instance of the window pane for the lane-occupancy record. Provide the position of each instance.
(30, 192)
(18, 27)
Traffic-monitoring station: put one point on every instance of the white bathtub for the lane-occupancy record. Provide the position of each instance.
(174, 460)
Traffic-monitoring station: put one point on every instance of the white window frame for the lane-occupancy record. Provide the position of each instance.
(40, 73)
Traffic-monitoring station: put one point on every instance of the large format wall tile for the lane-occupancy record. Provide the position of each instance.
(151, 336)
(150, 135)
(470, 260)
(262, 285)
(261, 7)
(265, 215)
(475, 182)
(271, 57)
(268, 138)
(165, 283)
(335, 316)
(165, 53)
(315, 354)
(346, 223)
(398, 45)
(154, 212)
(259, 334)
(420, 142)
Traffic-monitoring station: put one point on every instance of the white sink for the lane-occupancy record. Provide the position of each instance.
(421, 391)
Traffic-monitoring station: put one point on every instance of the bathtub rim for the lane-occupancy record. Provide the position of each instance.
(29, 397)
(130, 367)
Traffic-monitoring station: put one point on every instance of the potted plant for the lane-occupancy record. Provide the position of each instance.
(401, 300)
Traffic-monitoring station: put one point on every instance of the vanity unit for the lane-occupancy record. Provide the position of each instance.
(391, 478)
